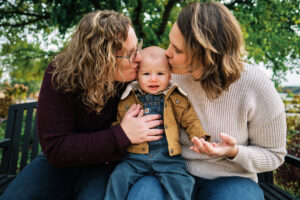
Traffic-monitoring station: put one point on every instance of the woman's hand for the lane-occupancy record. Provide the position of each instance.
(227, 147)
(138, 127)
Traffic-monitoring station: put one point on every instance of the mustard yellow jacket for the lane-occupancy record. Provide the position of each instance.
(178, 112)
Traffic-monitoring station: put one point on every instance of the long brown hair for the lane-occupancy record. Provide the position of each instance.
(88, 64)
(214, 42)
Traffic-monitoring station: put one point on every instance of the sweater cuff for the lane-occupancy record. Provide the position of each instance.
(241, 157)
(122, 140)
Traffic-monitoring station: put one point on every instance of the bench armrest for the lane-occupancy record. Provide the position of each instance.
(4, 143)
(292, 160)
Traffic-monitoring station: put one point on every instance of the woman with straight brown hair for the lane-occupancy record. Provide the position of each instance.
(236, 103)
(77, 104)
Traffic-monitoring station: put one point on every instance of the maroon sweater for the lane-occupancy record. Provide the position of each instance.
(72, 136)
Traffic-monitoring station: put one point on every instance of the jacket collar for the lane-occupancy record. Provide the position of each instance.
(133, 86)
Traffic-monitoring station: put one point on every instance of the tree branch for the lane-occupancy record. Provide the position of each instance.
(136, 19)
(165, 17)
(96, 4)
(21, 23)
(12, 12)
(15, 9)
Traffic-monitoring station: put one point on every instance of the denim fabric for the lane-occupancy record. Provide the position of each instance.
(153, 104)
(227, 188)
(147, 188)
(39, 180)
(223, 188)
(170, 171)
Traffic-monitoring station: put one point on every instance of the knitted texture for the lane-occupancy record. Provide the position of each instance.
(250, 111)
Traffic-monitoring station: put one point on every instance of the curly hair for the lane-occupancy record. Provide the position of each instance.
(214, 42)
(88, 63)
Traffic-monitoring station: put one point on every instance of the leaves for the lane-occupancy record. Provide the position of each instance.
(271, 30)
(25, 63)
(272, 34)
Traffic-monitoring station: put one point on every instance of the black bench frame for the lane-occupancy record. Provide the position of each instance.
(17, 132)
(266, 182)
(20, 136)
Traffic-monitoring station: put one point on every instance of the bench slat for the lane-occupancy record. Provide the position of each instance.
(4, 181)
(5, 162)
(273, 192)
(26, 138)
(16, 140)
(292, 160)
(35, 142)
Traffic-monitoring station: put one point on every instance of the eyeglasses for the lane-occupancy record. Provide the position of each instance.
(131, 57)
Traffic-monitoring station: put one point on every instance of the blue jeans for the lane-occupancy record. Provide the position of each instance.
(40, 180)
(147, 188)
(170, 171)
(223, 188)
(227, 188)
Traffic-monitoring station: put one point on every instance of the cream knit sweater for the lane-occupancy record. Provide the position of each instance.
(252, 112)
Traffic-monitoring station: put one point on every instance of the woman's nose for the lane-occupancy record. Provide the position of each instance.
(138, 57)
(168, 52)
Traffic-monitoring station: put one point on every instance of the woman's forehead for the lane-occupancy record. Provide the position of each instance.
(176, 37)
(131, 40)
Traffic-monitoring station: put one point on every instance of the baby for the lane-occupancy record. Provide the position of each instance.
(157, 95)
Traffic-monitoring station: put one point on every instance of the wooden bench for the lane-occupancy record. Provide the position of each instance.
(20, 146)
(266, 182)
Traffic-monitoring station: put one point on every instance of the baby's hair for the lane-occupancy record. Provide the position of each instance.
(153, 53)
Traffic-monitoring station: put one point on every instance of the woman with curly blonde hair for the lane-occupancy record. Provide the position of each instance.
(76, 107)
(236, 103)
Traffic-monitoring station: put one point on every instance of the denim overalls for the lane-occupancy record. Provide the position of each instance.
(170, 170)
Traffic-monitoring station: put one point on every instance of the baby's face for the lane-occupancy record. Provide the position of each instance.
(153, 77)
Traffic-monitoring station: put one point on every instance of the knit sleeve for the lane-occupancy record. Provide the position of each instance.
(266, 128)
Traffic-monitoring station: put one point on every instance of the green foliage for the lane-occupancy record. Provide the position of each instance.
(289, 176)
(293, 106)
(271, 30)
(152, 23)
(2, 129)
(18, 14)
(10, 95)
(25, 64)
(5, 101)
